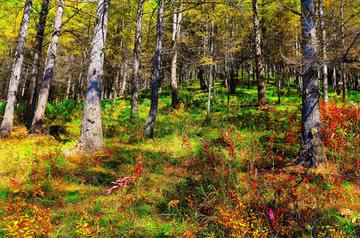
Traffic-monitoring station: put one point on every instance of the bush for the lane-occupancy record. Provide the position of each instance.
(61, 110)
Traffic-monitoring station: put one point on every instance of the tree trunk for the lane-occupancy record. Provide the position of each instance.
(279, 88)
(311, 128)
(201, 76)
(156, 74)
(48, 72)
(7, 123)
(334, 79)
(324, 50)
(342, 84)
(260, 70)
(91, 135)
(135, 84)
(177, 15)
(212, 69)
(31, 95)
(21, 98)
(68, 88)
(116, 83)
(209, 97)
(124, 80)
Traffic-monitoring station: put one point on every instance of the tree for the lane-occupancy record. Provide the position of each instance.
(259, 62)
(310, 123)
(156, 74)
(135, 77)
(30, 100)
(323, 49)
(7, 123)
(177, 16)
(91, 137)
(49, 71)
(211, 83)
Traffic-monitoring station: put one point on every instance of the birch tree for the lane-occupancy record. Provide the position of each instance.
(49, 71)
(311, 148)
(156, 74)
(259, 61)
(177, 16)
(323, 49)
(135, 76)
(91, 135)
(30, 100)
(7, 123)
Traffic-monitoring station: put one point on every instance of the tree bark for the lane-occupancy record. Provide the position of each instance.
(91, 136)
(341, 83)
(212, 68)
(311, 128)
(68, 88)
(31, 95)
(334, 80)
(324, 50)
(177, 16)
(260, 70)
(116, 83)
(7, 123)
(48, 72)
(156, 74)
(135, 84)
(124, 80)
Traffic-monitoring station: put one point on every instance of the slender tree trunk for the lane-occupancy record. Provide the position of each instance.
(342, 83)
(24, 86)
(91, 135)
(31, 95)
(311, 128)
(260, 70)
(7, 123)
(177, 15)
(279, 88)
(48, 72)
(20, 98)
(248, 76)
(117, 79)
(209, 98)
(324, 50)
(124, 80)
(201, 76)
(156, 74)
(212, 69)
(135, 84)
(334, 80)
(233, 66)
(68, 87)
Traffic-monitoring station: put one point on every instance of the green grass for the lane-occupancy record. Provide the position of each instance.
(188, 172)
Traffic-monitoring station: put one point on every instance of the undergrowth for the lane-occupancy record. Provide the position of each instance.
(232, 177)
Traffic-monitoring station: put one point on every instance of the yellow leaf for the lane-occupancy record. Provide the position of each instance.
(173, 203)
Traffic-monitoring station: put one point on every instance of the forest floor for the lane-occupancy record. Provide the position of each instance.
(233, 176)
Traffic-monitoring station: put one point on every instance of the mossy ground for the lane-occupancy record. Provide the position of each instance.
(198, 178)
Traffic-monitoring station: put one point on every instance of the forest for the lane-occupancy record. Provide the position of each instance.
(180, 118)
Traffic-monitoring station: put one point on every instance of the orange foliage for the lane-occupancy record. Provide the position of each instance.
(25, 220)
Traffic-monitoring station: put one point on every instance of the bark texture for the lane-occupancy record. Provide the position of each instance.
(311, 128)
(156, 74)
(177, 17)
(259, 62)
(135, 84)
(91, 137)
(30, 100)
(324, 50)
(48, 72)
(7, 123)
